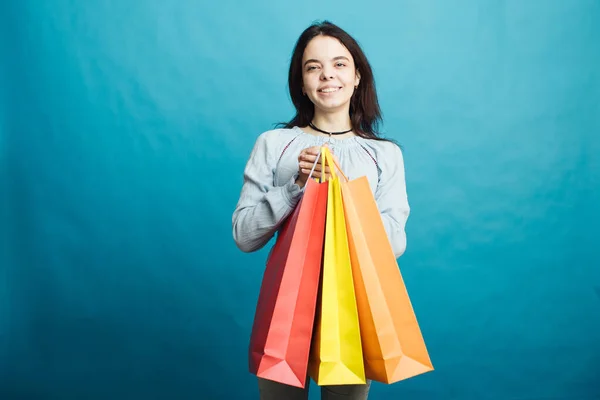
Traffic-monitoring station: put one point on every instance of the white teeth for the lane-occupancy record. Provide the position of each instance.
(329, 90)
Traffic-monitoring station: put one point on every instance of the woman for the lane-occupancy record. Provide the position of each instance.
(332, 87)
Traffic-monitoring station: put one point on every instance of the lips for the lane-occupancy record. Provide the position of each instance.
(329, 89)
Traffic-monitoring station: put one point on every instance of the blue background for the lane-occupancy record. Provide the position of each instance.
(125, 127)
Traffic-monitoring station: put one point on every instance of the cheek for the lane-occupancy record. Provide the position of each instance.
(309, 84)
(349, 78)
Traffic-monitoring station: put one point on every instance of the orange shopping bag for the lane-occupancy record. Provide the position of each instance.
(393, 345)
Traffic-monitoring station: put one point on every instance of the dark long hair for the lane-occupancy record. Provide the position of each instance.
(365, 113)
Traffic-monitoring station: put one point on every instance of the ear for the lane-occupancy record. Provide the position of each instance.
(357, 79)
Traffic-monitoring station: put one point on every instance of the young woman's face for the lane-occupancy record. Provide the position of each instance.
(329, 75)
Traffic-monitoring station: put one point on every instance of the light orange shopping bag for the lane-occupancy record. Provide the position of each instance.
(392, 342)
(336, 355)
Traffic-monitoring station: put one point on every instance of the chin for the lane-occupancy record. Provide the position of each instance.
(333, 104)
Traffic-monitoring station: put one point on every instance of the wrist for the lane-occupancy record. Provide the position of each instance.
(299, 182)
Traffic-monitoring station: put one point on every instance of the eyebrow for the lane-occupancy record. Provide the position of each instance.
(334, 59)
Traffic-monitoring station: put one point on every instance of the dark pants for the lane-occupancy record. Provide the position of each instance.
(270, 390)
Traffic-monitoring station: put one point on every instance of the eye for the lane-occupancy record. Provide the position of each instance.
(311, 67)
(340, 64)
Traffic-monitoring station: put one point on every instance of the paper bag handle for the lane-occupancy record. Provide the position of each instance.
(332, 164)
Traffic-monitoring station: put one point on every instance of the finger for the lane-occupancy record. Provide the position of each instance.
(309, 166)
(315, 175)
(313, 150)
(309, 158)
(302, 154)
(327, 171)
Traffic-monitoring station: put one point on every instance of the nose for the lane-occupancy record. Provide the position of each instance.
(327, 73)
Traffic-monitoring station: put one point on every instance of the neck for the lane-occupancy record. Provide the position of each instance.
(332, 122)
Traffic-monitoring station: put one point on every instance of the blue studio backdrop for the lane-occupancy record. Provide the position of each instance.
(124, 130)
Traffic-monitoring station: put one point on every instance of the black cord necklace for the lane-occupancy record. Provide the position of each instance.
(327, 133)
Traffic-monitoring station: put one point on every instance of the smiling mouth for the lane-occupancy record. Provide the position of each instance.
(329, 90)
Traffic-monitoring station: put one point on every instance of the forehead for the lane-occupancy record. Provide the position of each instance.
(323, 48)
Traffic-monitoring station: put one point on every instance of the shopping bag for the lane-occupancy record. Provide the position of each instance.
(336, 355)
(392, 342)
(284, 320)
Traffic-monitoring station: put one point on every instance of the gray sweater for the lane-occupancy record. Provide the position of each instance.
(269, 194)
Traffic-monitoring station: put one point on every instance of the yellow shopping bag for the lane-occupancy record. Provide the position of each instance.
(336, 355)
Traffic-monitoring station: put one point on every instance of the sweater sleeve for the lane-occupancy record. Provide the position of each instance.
(391, 197)
(262, 207)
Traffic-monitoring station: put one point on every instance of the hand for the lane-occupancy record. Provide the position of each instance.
(306, 160)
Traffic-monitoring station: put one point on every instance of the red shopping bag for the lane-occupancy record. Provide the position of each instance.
(280, 342)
